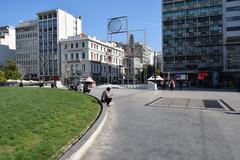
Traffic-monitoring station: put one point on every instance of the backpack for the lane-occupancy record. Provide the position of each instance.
(103, 97)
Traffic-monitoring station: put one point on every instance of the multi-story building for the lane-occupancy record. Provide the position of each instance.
(7, 44)
(158, 60)
(27, 48)
(85, 56)
(232, 36)
(193, 38)
(54, 25)
(137, 56)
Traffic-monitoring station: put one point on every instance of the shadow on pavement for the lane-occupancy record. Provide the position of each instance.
(233, 113)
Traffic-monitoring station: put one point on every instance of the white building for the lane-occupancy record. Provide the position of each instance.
(7, 44)
(232, 35)
(85, 56)
(27, 48)
(54, 25)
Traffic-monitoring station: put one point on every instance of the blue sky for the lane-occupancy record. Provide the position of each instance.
(142, 14)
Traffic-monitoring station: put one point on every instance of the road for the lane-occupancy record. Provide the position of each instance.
(168, 125)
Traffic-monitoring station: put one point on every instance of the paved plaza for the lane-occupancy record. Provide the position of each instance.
(169, 125)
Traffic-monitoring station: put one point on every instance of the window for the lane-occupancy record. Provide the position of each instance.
(77, 57)
(83, 44)
(71, 45)
(83, 55)
(65, 46)
(236, 18)
(237, 28)
(232, 9)
(76, 45)
(72, 56)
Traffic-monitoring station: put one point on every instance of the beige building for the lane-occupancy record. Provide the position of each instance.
(27, 48)
(85, 56)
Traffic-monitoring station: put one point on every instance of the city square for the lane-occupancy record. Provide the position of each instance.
(119, 81)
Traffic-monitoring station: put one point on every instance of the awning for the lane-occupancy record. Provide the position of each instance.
(158, 78)
(87, 79)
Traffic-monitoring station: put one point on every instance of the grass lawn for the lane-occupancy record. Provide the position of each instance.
(35, 123)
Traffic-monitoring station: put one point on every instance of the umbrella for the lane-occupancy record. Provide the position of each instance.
(87, 79)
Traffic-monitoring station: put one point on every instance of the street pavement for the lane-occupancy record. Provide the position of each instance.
(169, 125)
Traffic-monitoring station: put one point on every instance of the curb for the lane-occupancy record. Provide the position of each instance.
(79, 148)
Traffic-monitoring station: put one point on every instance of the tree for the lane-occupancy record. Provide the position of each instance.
(158, 71)
(11, 70)
(2, 77)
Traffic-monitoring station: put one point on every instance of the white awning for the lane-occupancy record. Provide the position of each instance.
(87, 79)
(158, 78)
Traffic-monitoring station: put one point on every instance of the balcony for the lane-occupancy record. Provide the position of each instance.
(180, 25)
(168, 27)
(190, 6)
(191, 34)
(179, 8)
(203, 33)
(167, 9)
(191, 15)
(215, 13)
(167, 1)
(215, 32)
(179, 17)
(203, 24)
(167, 18)
(203, 14)
(215, 3)
(179, 35)
(191, 25)
(215, 22)
(203, 4)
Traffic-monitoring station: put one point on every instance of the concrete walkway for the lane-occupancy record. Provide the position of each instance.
(136, 131)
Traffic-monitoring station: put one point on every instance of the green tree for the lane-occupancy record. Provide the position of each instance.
(11, 70)
(2, 77)
(158, 71)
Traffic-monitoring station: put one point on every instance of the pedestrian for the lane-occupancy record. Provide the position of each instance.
(171, 84)
(180, 85)
(107, 96)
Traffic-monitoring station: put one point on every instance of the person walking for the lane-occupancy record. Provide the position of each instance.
(171, 84)
(107, 96)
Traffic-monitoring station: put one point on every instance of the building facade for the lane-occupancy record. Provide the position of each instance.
(7, 44)
(158, 61)
(54, 25)
(193, 38)
(232, 36)
(27, 49)
(137, 56)
(85, 56)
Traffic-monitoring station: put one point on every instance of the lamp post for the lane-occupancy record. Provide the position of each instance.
(154, 66)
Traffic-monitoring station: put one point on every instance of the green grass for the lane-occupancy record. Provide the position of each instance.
(35, 123)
